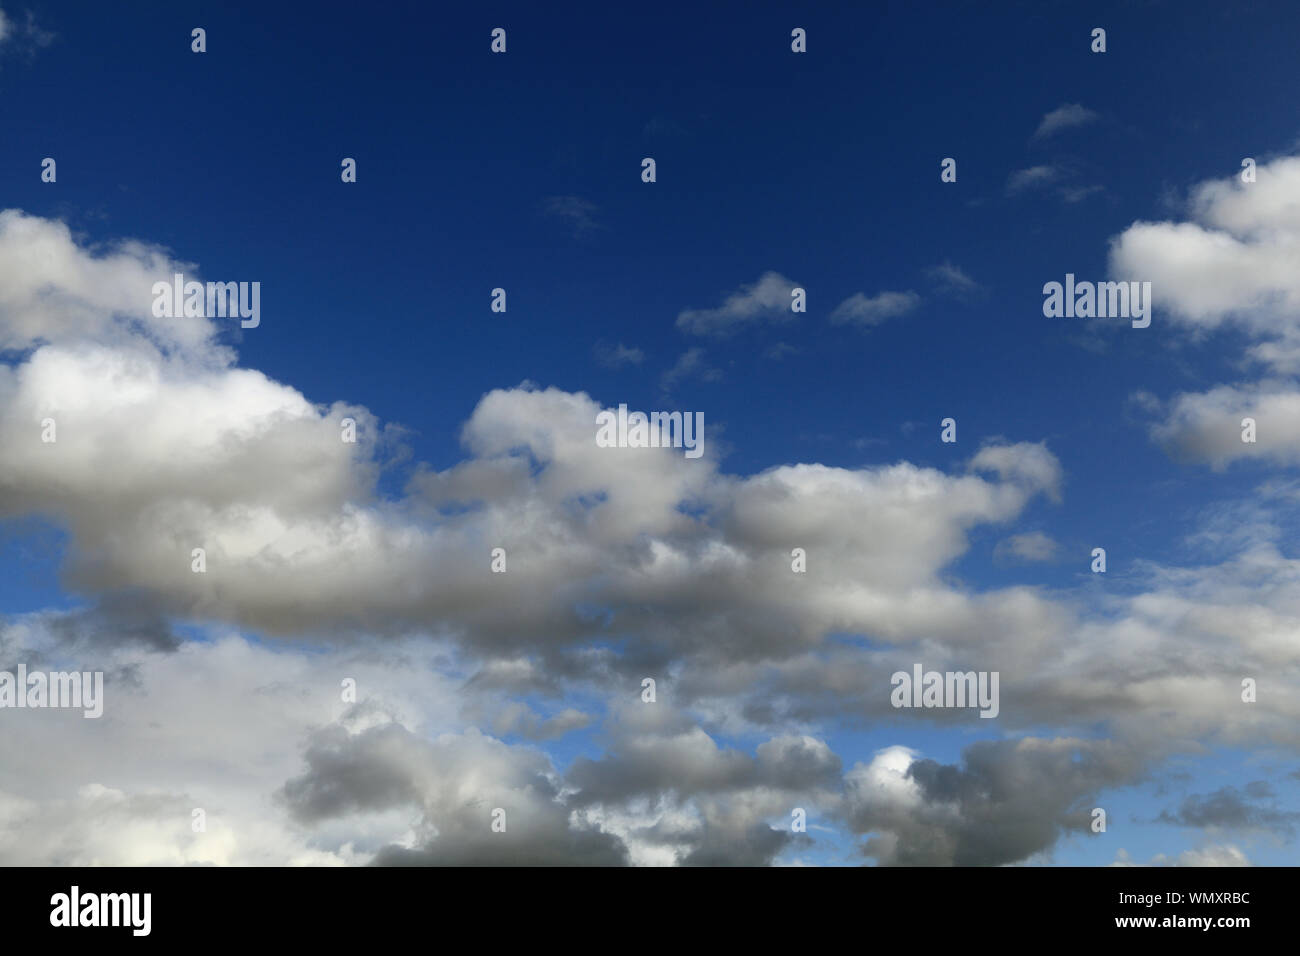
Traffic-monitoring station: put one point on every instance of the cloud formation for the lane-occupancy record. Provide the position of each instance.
(1229, 267)
(623, 563)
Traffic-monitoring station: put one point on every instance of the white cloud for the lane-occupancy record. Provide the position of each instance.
(689, 365)
(52, 290)
(215, 725)
(1032, 546)
(1068, 116)
(26, 37)
(1207, 426)
(953, 280)
(860, 309)
(1213, 855)
(768, 299)
(616, 356)
(1231, 264)
(579, 213)
(164, 444)
(1023, 180)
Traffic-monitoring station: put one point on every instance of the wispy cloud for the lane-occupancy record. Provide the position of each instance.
(1035, 546)
(662, 126)
(690, 365)
(953, 280)
(1023, 180)
(616, 356)
(26, 37)
(1064, 117)
(579, 213)
(768, 299)
(1053, 177)
(861, 309)
(780, 350)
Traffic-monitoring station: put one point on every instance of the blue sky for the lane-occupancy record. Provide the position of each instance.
(523, 171)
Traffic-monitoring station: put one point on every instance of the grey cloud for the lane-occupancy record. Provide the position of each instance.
(357, 772)
(1006, 801)
(1249, 807)
(387, 766)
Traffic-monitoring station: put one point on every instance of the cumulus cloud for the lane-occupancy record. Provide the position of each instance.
(458, 785)
(1229, 265)
(674, 796)
(1007, 800)
(54, 290)
(165, 444)
(216, 725)
(1208, 426)
(1231, 262)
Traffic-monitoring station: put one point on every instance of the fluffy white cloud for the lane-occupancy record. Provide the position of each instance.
(1232, 261)
(54, 290)
(1207, 426)
(1232, 264)
(161, 451)
(165, 444)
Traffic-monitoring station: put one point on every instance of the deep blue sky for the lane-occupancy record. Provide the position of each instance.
(823, 167)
